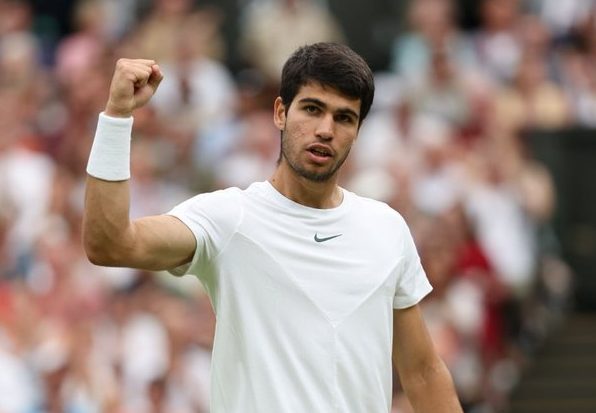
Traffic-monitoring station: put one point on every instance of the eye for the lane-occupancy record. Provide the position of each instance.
(312, 109)
(344, 118)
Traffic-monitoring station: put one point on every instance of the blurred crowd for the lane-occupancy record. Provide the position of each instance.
(444, 145)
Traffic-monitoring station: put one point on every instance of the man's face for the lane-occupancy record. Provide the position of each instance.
(318, 130)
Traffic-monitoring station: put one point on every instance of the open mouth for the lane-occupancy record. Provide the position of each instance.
(320, 151)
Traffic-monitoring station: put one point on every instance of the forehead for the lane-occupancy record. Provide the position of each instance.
(328, 95)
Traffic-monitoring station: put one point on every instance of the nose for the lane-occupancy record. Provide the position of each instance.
(325, 127)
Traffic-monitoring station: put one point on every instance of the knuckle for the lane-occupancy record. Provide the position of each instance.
(123, 64)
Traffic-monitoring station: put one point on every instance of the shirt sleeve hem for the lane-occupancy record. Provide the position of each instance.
(405, 302)
(183, 269)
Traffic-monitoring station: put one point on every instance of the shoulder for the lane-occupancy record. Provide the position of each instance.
(223, 203)
(221, 195)
(376, 209)
(232, 193)
(378, 213)
(212, 216)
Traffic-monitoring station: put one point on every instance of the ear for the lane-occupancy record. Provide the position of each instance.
(279, 113)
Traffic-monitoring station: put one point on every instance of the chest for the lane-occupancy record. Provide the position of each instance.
(337, 264)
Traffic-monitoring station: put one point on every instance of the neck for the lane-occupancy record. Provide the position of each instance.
(321, 195)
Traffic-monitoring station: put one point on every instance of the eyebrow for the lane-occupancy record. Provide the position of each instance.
(346, 111)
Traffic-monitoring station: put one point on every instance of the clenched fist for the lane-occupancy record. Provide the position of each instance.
(133, 84)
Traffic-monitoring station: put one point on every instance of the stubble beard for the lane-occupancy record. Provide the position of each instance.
(301, 171)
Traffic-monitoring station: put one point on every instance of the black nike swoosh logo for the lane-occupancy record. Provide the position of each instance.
(323, 239)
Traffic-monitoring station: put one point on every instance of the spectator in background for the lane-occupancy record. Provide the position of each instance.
(241, 148)
(496, 44)
(15, 17)
(122, 17)
(533, 100)
(198, 91)
(18, 384)
(272, 30)
(576, 60)
(501, 224)
(158, 34)
(587, 30)
(439, 91)
(26, 171)
(562, 17)
(86, 46)
(436, 177)
(19, 65)
(254, 153)
(385, 138)
(432, 29)
(154, 188)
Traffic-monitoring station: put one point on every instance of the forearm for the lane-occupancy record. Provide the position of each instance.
(431, 390)
(106, 224)
(424, 376)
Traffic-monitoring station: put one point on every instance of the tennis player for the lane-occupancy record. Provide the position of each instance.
(314, 287)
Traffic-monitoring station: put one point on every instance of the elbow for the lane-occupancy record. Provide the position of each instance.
(98, 259)
(102, 254)
(107, 249)
(99, 256)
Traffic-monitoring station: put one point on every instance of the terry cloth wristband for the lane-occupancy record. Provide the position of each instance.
(110, 154)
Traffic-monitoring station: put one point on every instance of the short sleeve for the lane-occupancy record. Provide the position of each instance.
(213, 218)
(412, 282)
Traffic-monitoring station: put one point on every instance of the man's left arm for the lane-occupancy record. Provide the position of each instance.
(424, 376)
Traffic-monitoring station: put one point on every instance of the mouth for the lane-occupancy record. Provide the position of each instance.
(320, 151)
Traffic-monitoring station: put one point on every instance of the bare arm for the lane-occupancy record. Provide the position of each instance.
(423, 374)
(110, 238)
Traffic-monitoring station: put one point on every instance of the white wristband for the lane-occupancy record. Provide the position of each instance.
(110, 154)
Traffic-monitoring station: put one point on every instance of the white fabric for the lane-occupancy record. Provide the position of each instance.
(302, 326)
(110, 154)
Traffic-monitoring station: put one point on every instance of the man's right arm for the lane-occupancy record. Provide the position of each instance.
(110, 238)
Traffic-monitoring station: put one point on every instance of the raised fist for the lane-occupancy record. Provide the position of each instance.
(133, 84)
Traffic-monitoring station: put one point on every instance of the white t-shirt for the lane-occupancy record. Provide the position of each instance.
(303, 297)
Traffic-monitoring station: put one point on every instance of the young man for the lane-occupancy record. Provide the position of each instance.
(310, 283)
